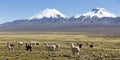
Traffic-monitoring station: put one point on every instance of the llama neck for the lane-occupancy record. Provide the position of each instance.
(72, 45)
(8, 45)
(46, 44)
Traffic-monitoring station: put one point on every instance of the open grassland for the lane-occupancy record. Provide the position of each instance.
(106, 47)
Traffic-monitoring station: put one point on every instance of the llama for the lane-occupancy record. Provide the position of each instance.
(75, 50)
(34, 42)
(10, 46)
(28, 47)
(20, 43)
(50, 47)
(80, 45)
(57, 46)
(91, 46)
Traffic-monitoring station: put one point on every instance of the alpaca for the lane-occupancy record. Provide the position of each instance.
(28, 47)
(10, 46)
(75, 50)
(34, 42)
(20, 43)
(57, 46)
(50, 47)
(91, 46)
(80, 45)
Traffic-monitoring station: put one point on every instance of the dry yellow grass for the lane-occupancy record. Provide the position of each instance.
(105, 47)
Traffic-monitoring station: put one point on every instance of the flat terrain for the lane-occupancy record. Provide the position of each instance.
(105, 47)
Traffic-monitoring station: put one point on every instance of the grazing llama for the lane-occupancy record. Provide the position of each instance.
(20, 43)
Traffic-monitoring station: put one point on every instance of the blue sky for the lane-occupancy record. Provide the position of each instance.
(22, 9)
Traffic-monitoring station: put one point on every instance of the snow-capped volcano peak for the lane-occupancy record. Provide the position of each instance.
(48, 13)
(99, 12)
(77, 16)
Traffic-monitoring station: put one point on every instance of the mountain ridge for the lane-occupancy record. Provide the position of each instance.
(61, 23)
(97, 12)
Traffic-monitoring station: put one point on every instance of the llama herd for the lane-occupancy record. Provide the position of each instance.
(50, 47)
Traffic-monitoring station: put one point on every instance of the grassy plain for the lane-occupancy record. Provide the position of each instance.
(106, 47)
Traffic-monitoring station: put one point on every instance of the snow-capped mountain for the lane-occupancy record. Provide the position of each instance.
(52, 19)
(97, 12)
(48, 13)
(77, 16)
(96, 16)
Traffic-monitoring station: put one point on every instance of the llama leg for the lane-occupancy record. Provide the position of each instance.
(73, 53)
(13, 48)
(8, 48)
(26, 49)
(30, 49)
(48, 51)
(54, 50)
(78, 53)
